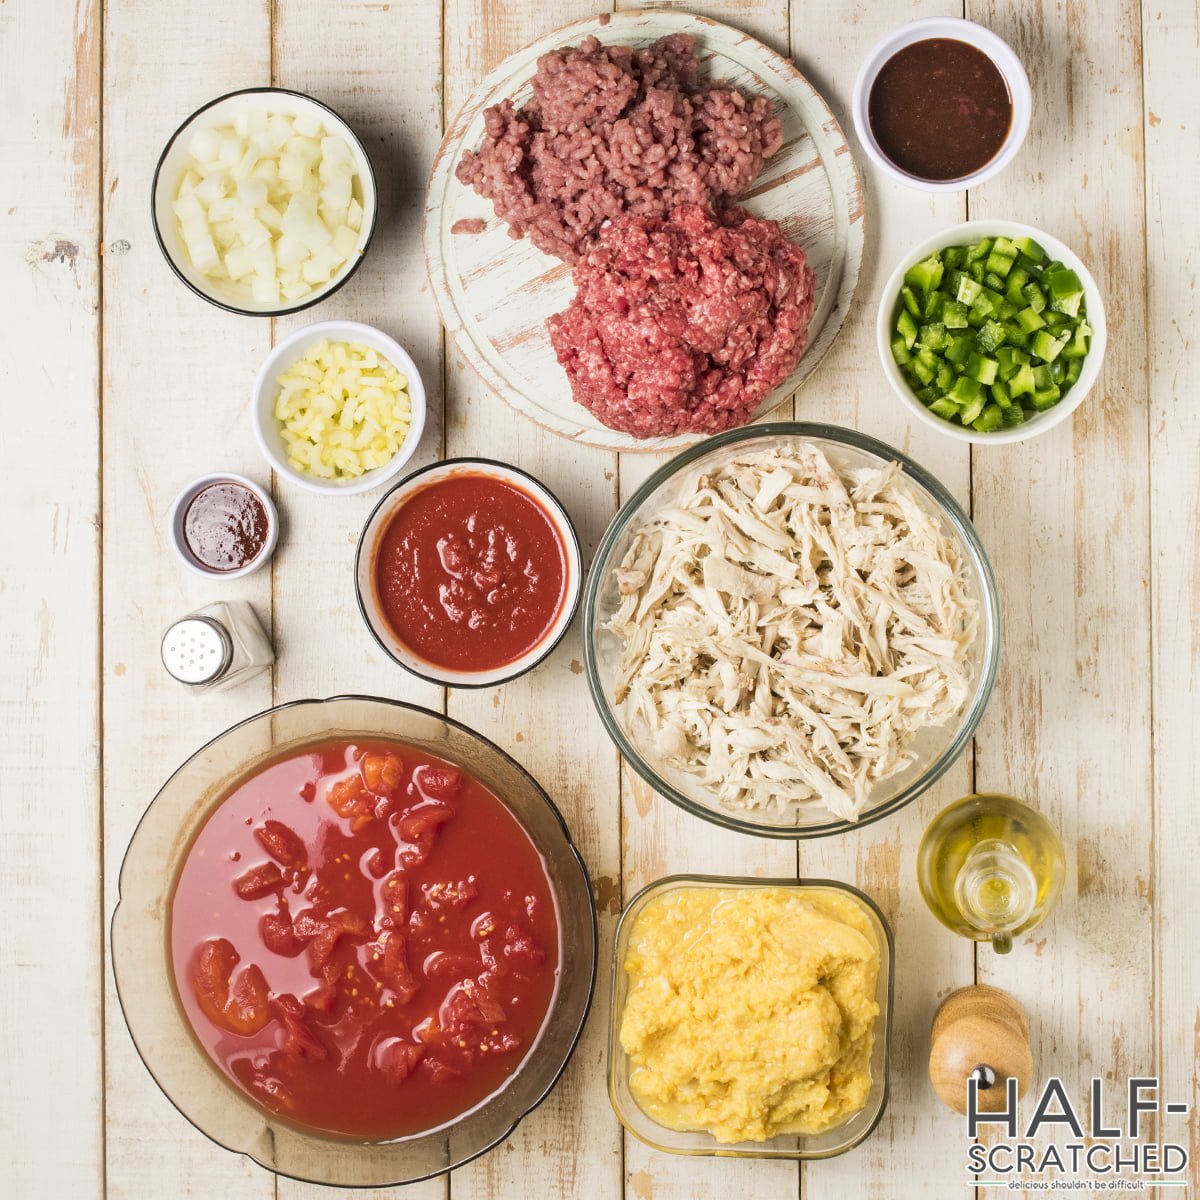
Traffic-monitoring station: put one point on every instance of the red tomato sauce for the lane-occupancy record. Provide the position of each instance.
(470, 572)
(364, 939)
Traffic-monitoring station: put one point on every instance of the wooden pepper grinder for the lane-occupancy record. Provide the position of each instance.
(979, 1032)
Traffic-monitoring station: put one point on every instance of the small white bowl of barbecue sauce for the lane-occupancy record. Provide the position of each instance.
(223, 526)
(942, 104)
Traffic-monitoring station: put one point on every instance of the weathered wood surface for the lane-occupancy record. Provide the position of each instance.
(1065, 519)
(1170, 69)
(50, 952)
(121, 385)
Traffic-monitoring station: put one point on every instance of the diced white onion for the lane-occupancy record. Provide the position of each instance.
(266, 206)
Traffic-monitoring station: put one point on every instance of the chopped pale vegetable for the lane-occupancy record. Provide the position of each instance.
(344, 410)
(267, 209)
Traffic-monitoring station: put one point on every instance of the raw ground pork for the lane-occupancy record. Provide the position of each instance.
(613, 130)
(684, 324)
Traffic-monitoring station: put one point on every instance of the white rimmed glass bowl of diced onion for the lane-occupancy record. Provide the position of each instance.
(338, 406)
(264, 202)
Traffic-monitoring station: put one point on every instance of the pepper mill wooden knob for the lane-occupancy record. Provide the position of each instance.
(983, 1031)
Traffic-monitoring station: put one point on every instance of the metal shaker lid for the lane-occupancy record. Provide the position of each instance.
(197, 650)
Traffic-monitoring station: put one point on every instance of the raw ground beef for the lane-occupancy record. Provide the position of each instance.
(684, 324)
(612, 130)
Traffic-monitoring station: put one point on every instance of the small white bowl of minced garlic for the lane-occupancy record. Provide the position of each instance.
(338, 407)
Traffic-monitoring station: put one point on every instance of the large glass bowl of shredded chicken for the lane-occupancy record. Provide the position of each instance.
(791, 630)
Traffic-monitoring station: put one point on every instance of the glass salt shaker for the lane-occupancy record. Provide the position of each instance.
(216, 647)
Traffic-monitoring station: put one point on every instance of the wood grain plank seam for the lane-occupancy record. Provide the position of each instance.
(272, 59)
(444, 432)
(273, 486)
(1157, 1038)
(101, 11)
(622, 777)
(976, 1192)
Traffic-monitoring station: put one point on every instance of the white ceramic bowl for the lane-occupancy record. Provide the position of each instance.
(293, 348)
(221, 112)
(179, 512)
(959, 30)
(368, 600)
(958, 235)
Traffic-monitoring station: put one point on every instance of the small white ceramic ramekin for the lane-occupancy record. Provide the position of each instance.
(960, 235)
(959, 30)
(267, 426)
(179, 512)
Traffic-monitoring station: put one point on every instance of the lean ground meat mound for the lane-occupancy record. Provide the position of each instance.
(684, 324)
(613, 130)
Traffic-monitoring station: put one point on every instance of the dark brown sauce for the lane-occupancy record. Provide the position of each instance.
(940, 109)
(225, 526)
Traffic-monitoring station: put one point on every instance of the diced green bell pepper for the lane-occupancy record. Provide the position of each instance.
(969, 412)
(1078, 346)
(1016, 335)
(981, 369)
(1044, 398)
(964, 391)
(1018, 277)
(954, 315)
(923, 372)
(1045, 345)
(999, 263)
(932, 336)
(1006, 357)
(968, 290)
(926, 275)
(990, 336)
(1030, 248)
(959, 349)
(990, 419)
(1022, 383)
(1035, 298)
(1029, 320)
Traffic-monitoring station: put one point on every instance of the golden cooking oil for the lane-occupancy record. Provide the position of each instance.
(991, 868)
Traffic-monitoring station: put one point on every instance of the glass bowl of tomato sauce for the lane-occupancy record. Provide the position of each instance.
(468, 572)
(354, 941)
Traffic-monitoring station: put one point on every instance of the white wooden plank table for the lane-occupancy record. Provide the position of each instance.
(118, 386)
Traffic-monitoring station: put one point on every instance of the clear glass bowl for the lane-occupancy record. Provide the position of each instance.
(934, 748)
(140, 942)
(792, 1146)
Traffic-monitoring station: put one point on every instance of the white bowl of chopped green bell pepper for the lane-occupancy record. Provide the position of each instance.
(991, 331)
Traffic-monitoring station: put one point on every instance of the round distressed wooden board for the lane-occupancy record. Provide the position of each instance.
(494, 294)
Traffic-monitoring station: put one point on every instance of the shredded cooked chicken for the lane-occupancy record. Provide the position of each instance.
(788, 629)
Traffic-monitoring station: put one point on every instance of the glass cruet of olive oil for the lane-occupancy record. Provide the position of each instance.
(990, 868)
